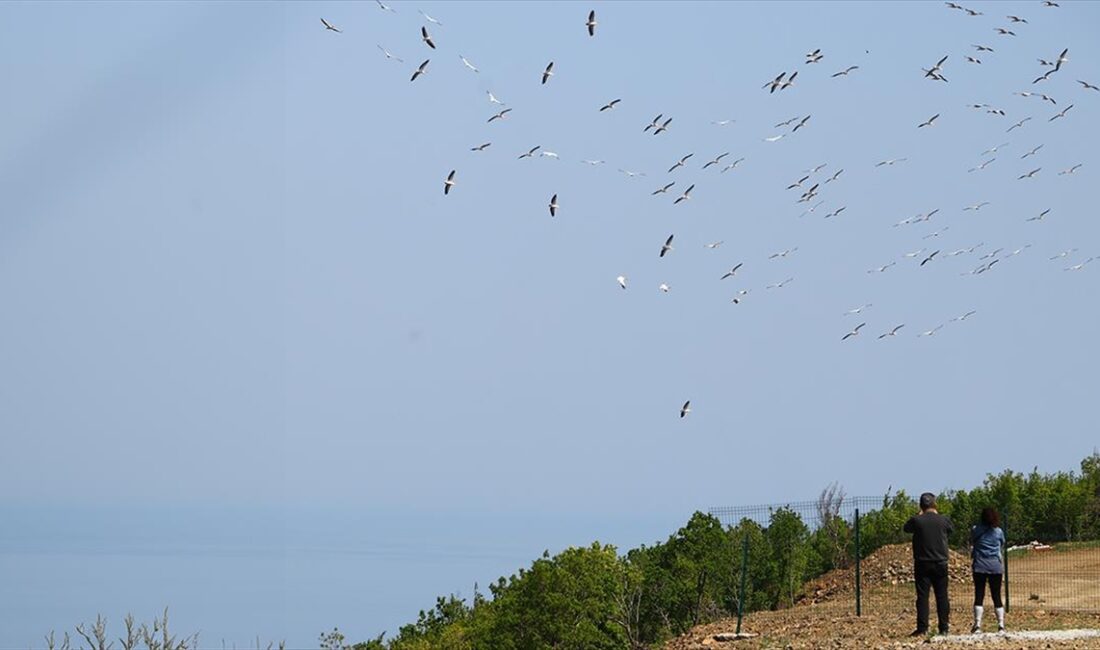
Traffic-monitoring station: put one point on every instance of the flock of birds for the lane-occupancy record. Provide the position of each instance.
(811, 182)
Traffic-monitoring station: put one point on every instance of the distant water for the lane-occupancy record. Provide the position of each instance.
(235, 575)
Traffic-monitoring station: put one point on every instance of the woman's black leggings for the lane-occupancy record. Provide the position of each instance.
(994, 580)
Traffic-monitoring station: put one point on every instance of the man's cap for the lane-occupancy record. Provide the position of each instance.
(927, 500)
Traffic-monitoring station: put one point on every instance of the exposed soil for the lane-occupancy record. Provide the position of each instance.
(825, 618)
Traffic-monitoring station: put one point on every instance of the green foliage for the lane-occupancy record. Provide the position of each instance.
(881, 527)
(591, 598)
(570, 601)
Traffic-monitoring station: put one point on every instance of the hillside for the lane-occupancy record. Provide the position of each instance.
(824, 618)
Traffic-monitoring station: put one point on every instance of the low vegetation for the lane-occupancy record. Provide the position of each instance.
(595, 598)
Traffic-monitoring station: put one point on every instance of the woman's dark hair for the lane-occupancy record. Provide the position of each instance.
(990, 517)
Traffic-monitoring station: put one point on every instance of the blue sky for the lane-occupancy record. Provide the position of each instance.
(230, 276)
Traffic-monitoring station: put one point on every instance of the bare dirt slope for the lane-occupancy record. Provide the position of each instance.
(825, 618)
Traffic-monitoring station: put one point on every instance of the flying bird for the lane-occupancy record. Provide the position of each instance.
(1032, 152)
(499, 116)
(713, 244)
(1030, 174)
(530, 152)
(732, 165)
(1004, 32)
(654, 123)
(845, 71)
(1070, 170)
(1078, 267)
(621, 280)
(548, 72)
(1017, 125)
(430, 19)
(685, 409)
(481, 147)
(964, 316)
(801, 124)
(1016, 19)
(385, 7)
(890, 162)
(929, 122)
(892, 332)
(662, 190)
(609, 105)
(493, 99)
(854, 332)
(449, 183)
(783, 253)
(467, 63)
(780, 285)
(686, 196)
(717, 160)
(983, 48)
(553, 205)
(422, 69)
(1088, 86)
(591, 23)
(931, 332)
(666, 247)
(732, 272)
(1042, 215)
(663, 287)
(1061, 114)
(775, 83)
(330, 27)
(929, 258)
(815, 56)
(390, 56)
(680, 163)
(662, 127)
(424, 36)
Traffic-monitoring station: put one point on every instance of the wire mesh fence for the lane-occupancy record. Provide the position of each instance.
(851, 554)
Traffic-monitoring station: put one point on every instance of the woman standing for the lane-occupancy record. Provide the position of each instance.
(986, 541)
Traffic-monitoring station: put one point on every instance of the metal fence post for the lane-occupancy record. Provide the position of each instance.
(744, 576)
(1004, 527)
(859, 592)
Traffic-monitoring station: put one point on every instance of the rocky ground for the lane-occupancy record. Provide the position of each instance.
(825, 617)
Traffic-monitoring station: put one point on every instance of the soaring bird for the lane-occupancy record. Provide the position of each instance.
(662, 127)
(716, 160)
(449, 183)
(654, 123)
(662, 190)
(422, 69)
(815, 56)
(426, 37)
(932, 331)
(801, 123)
(1032, 152)
(892, 332)
(548, 72)
(685, 409)
(983, 48)
(713, 244)
(390, 56)
(775, 83)
(666, 247)
(621, 280)
(1088, 86)
(964, 316)
(481, 147)
(330, 27)
(1016, 19)
(854, 332)
(591, 23)
(530, 152)
(929, 122)
(1030, 174)
(1017, 125)
(385, 7)
(1070, 170)
(1062, 58)
(609, 105)
(663, 287)
(934, 71)
(429, 18)
(732, 272)
(1004, 32)
(686, 196)
(780, 285)
(732, 165)
(492, 98)
(680, 163)
(783, 253)
(554, 205)
(1061, 114)
(845, 71)
(467, 63)
(499, 116)
(929, 258)
(858, 310)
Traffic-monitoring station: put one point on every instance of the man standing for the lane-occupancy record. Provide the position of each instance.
(930, 530)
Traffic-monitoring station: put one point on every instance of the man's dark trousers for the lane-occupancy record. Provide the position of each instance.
(934, 575)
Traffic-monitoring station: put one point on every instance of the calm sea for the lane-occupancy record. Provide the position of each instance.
(238, 575)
